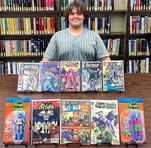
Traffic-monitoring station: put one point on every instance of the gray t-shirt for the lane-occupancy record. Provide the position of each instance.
(87, 46)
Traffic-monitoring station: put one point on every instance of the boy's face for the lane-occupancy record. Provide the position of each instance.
(76, 18)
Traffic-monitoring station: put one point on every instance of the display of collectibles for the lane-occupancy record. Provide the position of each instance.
(71, 76)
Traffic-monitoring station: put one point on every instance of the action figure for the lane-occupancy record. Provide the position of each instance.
(19, 127)
(136, 128)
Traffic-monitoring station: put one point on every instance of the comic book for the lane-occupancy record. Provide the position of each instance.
(91, 76)
(49, 76)
(28, 77)
(132, 125)
(45, 118)
(75, 122)
(113, 75)
(16, 123)
(70, 75)
(104, 122)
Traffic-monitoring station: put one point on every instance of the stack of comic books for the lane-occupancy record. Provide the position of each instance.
(75, 122)
(113, 75)
(132, 125)
(104, 122)
(28, 77)
(49, 76)
(70, 76)
(45, 121)
(16, 124)
(91, 76)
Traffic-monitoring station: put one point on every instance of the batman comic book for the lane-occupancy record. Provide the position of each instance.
(132, 122)
(16, 123)
(75, 122)
(28, 77)
(70, 76)
(91, 76)
(104, 122)
(49, 76)
(45, 118)
(113, 75)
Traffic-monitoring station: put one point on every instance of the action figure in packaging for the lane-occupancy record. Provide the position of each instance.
(16, 126)
(132, 125)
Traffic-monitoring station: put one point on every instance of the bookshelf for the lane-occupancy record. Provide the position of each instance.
(119, 27)
(139, 17)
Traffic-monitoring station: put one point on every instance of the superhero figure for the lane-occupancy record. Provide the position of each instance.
(19, 127)
(136, 127)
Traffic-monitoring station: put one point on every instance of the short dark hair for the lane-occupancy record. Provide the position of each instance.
(81, 8)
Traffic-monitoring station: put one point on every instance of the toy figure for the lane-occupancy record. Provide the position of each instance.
(136, 128)
(19, 127)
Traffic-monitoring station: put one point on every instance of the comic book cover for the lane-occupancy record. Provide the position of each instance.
(28, 77)
(104, 122)
(49, 76)
(75, 122)
(45, 120)
(16, 123)
(132, 125)
(91, 76)
(70, 75)
(113, 75)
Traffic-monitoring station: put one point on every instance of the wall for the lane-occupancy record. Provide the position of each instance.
(136, 85)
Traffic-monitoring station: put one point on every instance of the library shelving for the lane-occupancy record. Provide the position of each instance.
(36, 15)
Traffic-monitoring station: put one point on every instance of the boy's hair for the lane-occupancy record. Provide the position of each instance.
(80, 7)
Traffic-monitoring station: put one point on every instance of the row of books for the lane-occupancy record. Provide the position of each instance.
(37, 47)
(138, 46)
(92, 5)
(27, 5)
(23, 47)
(44, 25)
(97, 24)
(112, 46)
(71, 76)
(140, 4)
(139, 66)
(77, 121)
(140, 24)
(100, 24)
(11, 67)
